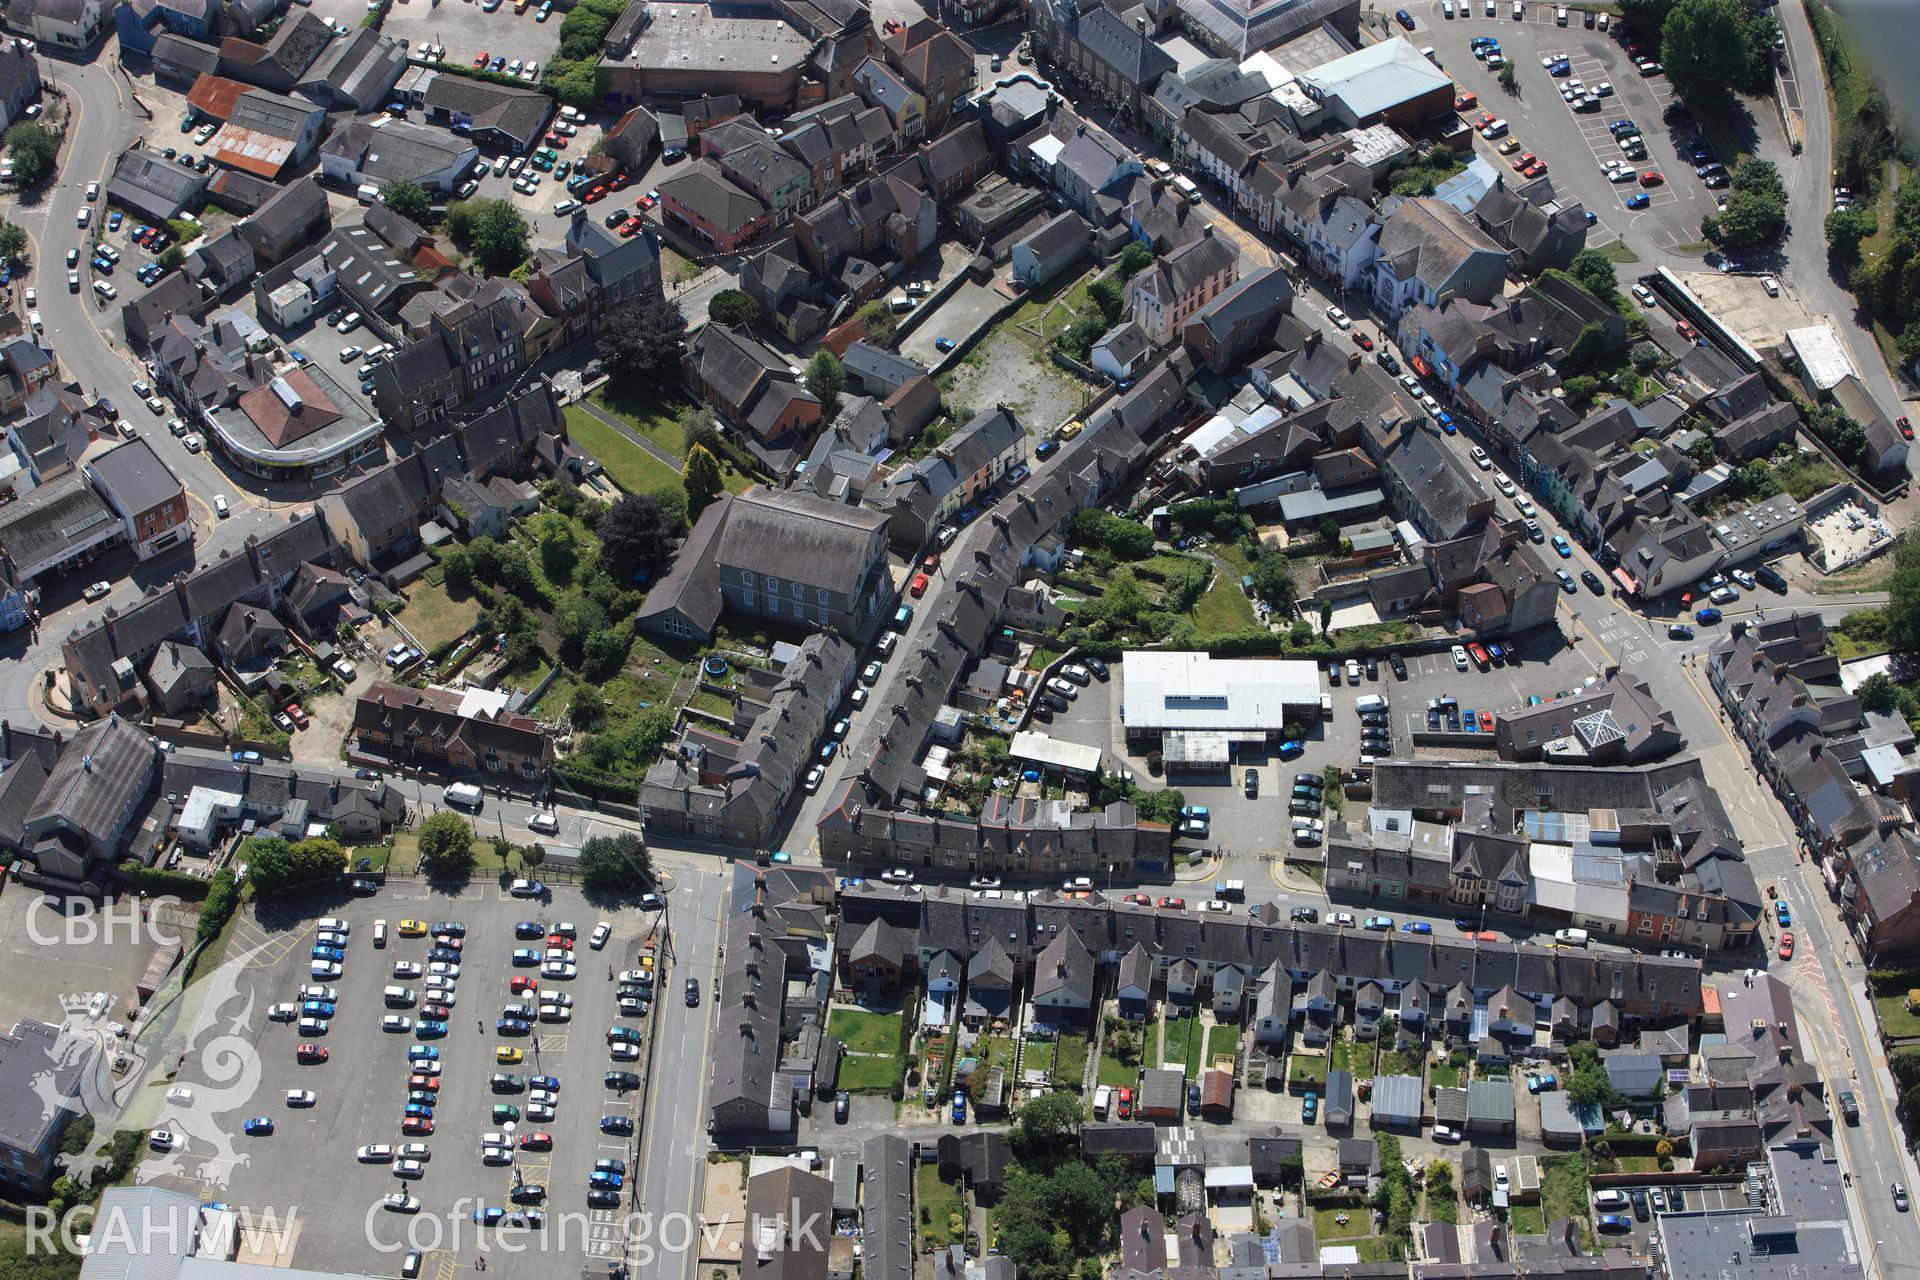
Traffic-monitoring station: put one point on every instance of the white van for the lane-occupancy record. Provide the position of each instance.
(463, 794)
(379, 933)
(1102, 1101)
(1560, 15)
(1430, 55)
(1570, 937)
(1186, 187)
(1610, 1199)
(1370, 702)
(398, 997)
(1446, 7)
(1498, 129)
(33, 318)
(1519, 10)
(1326, 706)
(367, 194)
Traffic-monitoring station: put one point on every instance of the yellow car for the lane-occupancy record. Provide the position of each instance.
(1510, 146)
(413, 928)
(508, 1056)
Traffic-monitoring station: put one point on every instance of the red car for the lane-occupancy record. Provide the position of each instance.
(919, 585)
(1480, 656)
(1635, 48)
(594, 193)
(1139, 899)
(1522, 160)
(481, 59)
(1652, 178)
(645, 202)
(1906, 428)
(417, 1127)
(1486, 118)
(1534, 170)
(521, 983)
(560, 940)
(932, 563)
(1687, 331)
(310, 1053)
(1466, 102)
(1362, 341)
(1174, 904)
(430, 1083)
(297, 714)
(619, 182)
(630, 228)
(1126, 1103)
(1485, 935)
(558, 141)
(1786, 946)
(537, 1141)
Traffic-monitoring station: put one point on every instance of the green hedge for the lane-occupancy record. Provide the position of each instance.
(221, 901)
(584, 779)
(156, 880)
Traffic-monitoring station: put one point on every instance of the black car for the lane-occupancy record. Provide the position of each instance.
(600, 1199)
(1593, 582)
(620, 1081)
(617, 217)
(1769, 577)
(1399, 665)
(1096, 666)
(1313, 780)
(1373, 669)
(1053, 702)
(1304, 808)
(1252, 784)
(334, 316)
(616, 1124)
(1639, 1197)
(363, 888)
(841, 1101)
(1387, 362)
(693, 992)
(451, 928)
(1304, 915)
(1679, 631)
(528, 1193)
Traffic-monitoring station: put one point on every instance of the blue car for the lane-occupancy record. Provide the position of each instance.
(335, 954)
(1291, 747)
(498, 64)
(423, 1053)
(959, 1106)
(1639, 200)
(944, 344)
(487, 1217)
(1471, 719)
(429, 1029)
(604, 1181)
(1780, 913)
(1615, 1223)
(113, 220)
(101, 265)
(1707, 617)
(1561, 545)
(258, 1127)
(525, 957)
(530, 929)
(550, 1083)
(324, 1008)
(826, 752)
(416, 1110)
(513, 1027)
(246, 757)
(1404, 18)
(1416, 926)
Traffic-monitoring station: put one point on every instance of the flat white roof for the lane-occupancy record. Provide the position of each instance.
(1820, 353)
(1376, 78)
(1197, 691)
(1041, 748)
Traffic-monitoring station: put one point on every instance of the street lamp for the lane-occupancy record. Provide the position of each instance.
(513, 1150)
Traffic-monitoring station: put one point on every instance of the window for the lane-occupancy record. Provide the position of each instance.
(747, 599)
(799, 592)
(773, 584)
(746, 578)
(773, 606)
(820, 595)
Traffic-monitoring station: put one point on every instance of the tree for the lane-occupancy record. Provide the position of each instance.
(1706, 50)
(410, 200)
(1273, 582)
(576, 618)
(1047, 1128)
(1594, 270)
(697, 428)
(587, 709)
(1580, 389)
(825, 379)
(733, 306)
(34, 151)
(13, 242)
(1644, 355)
(702, 480)
(1763, 178)
(1326, 616)
(1185, 582)
(1329, 531)
(1509, 80)
(274, 866)
(532, 855)
(559, 553)
(1095, 529)
(1105, 294)
(1588, 348)
(1745, 222)
(575, 82)
(634, 534)
(605, 653)
(1134, 259)
(172, 258)
(446, 845)
(498, 237)
(615, 862)
(643, 341)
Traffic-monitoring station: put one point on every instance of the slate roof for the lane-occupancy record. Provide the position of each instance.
(1130, 53)
(520, 113)
(105, 767)
(133, 473)
(799, 537)
(706, 191)
(49, 519)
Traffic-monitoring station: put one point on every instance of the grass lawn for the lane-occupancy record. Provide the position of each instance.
(997, 1051)
(406, 853)
(1302, 1069)
(647, 411)
(1354, 1056)
(1890, 1000)
(435, 617)
(1563, 1189)
(870, 1073)
(1177, 1049)
(1115, 1072)
(1223, 609)
(1639, 1164)
(1222, 1042)
(1327, 1225)
(1871, 576)
(1447, 1074)
(1395, 1063)
(1037, 1056)
(1617, 251)
(1526, 1219)
(636, 470)
(865, 1032)
(941, 1209)
(1052, 309)
(1070, 1060)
